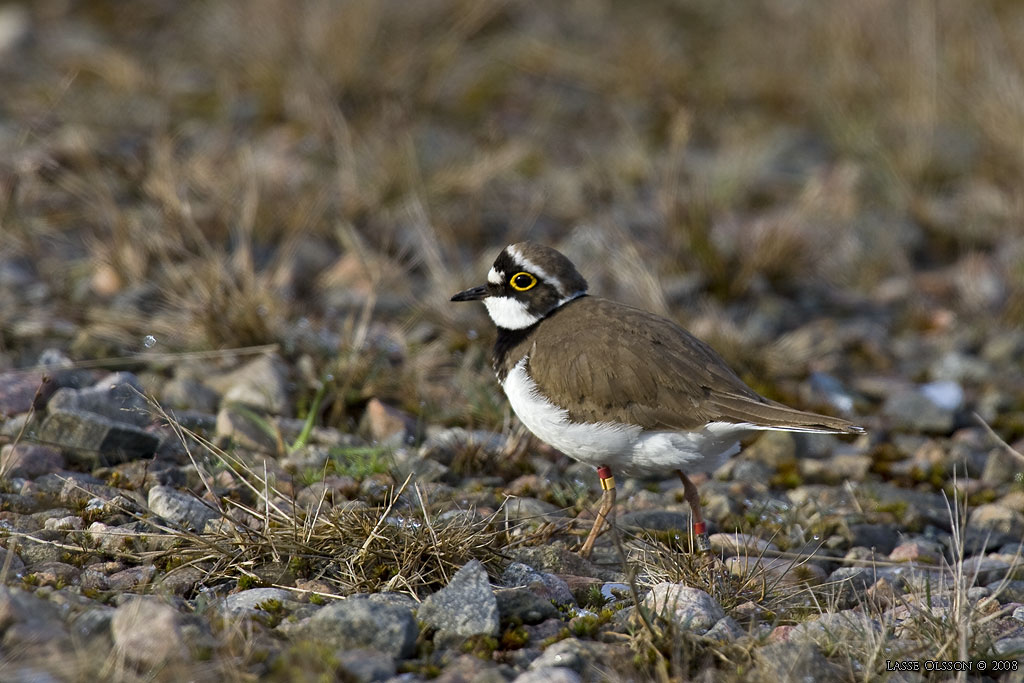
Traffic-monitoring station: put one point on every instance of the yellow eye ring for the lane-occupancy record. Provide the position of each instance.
(522, 281)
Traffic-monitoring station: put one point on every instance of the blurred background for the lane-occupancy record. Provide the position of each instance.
(827, 187)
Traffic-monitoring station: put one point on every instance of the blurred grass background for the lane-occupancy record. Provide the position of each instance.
(818, 178)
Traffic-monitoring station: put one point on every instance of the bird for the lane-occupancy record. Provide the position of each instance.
(617, 387)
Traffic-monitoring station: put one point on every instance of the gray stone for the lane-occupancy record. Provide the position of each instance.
(247, 602)
(444, 444)
(93, 623)
(747, 470)
(180, 508)
(1009, 646)
(261, 384)
(54, 573)
(524, 605)
(548, 674)
(986, 570)
(847, 625)
(569, 653)
(918, 410)
(88, 437)
(148, 631)
(997, 518)
(246, 428)
(17, 391)
(18, 606)
(1011, 591)
(465, 607)
(354, 623)
(524, 509)
(131, 578)
(76, 493)
(725, 630)
(29, 460)
(791, 663)
(182, 393)
(880, 537)
(364, 666)
(117, 397)
(690, 609)
(547, 586)
(10, 563)
(917, 507)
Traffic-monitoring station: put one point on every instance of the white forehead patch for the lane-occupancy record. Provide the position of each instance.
(532, 267)
(494, 277)
(509, 313)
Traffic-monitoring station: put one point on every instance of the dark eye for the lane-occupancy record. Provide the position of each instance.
(522, 281)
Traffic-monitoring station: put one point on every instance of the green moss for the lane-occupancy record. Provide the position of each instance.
(480, 646)
(514, 638)
(589, 625)
(246, 581)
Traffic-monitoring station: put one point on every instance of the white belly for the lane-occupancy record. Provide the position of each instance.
(627, 449)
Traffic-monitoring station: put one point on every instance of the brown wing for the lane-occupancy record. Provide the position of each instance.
(602, 358)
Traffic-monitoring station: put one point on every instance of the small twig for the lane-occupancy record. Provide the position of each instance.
(1013, 451)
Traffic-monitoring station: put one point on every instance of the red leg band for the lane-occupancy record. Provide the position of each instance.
(604, 472)
(699, 528)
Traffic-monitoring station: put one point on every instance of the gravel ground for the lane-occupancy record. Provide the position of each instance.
(244, 435)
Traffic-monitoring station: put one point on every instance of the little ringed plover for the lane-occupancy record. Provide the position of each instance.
(617, 387)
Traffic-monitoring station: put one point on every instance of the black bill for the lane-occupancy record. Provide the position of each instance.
(473, 294)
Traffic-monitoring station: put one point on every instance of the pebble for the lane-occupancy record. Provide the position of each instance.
(690, 609)
(261, 384)
(29, 460)
(88, 437)
(148, 632)
(465, 607)
(545, 585)
(180, 508)
(930, 409)
(248, 602)
(119, 397)
(523, 605)
(356, 623)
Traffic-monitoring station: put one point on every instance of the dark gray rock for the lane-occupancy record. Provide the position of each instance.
(118, 397)
(180, 508)
(364, 666)
(881, 537)
(465, 607)
(524, 605)
(186, 393)
(131, 578)
(353, 623)
(93, 623)
(1012, 591)
(29, 460)
(88, 437)
(11, 562)
(547, 586)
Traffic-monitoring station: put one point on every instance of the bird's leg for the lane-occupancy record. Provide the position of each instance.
(607, 503)
(700, 531)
